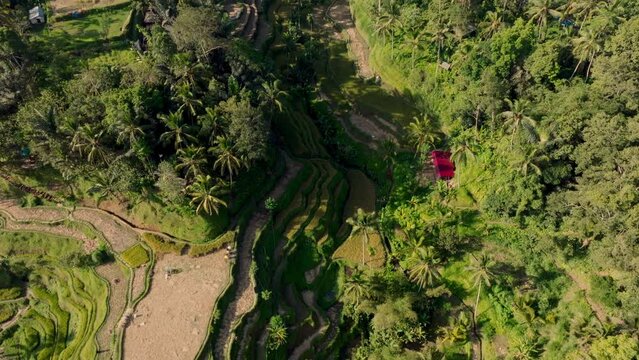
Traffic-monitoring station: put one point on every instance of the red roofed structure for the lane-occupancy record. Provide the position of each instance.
(444, 168)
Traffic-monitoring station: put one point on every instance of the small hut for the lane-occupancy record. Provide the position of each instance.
(444, 168)
(36, 15)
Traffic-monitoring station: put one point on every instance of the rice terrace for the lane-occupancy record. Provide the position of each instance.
(319, 179)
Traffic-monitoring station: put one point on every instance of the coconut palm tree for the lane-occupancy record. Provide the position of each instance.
(105, 186)
(212, 124)
(184, 96)
(531, 161)
(481, 274)
(226, 161)
(414, 42)
(356, 287)
(192, 159)
(438, 36)
(204, 194)
(271, 94)
(423, 133)
(539, 12)
(517, 120)
(493, 22)
(422, 266)
(456, 331)
(586, 48)
(586, 9)
(462, 151)
(178, 132)
(389, 22)
(608, 12)
(87, 141)
(363, 223)
(129, 133)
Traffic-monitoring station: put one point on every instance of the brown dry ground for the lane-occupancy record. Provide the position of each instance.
(67, 6)
(118, 285)
(118, 234)
(171, 322)
(43, 214)
(139, 276)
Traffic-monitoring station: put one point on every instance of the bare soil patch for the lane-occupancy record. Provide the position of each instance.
(118, 234)
(43, 214)
(67, 6)
(172, 321)
(371, 128)
(118, 286)
(139, 277)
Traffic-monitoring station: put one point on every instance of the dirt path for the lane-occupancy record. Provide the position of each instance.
(120, 235)
(16, 317)
(584, 285)
(340, 13)
(342, 28)
(118, 286)
(309, 300)
(171, 321)
(245, 295)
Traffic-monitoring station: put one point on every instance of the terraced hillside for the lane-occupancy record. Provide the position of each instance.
(74, 306)
(293, 253)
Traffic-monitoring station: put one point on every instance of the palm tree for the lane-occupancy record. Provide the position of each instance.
(414, 43)
(609, 12)
(526, 348)
(586, 48)
(212, 124)
(129, 132)
(482, 274)
(192, 159)
(105, 186)
(586, 9)
(422, 265)
(516, 119)
(226, 161)
(382, 28)
(423, 133)
(277, 334)
(184, 96)
(492, 24)
(462, 151)
(456, 331)
(87, 141)
(539, 12)
(389, 22)
(356, 287)
(204, 195)
(178, 131)
(363, 223)
(271, 94)
(531, 161)
(438, 36)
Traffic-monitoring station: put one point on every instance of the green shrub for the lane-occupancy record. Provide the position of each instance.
(135, 256)
(161, 246)
(10, 293)
(603, 290)
(204, 249)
